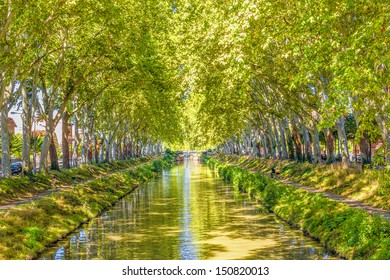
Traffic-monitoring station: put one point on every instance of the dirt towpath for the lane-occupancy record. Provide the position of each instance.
(350, 202)
(48, 192)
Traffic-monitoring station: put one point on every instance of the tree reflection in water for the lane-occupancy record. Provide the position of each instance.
(187, 213)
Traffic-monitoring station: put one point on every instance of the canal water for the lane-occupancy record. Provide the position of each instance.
(186, 213)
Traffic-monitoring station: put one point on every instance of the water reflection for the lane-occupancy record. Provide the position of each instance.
(188, 247)
(187, 213)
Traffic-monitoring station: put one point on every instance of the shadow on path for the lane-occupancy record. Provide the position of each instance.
(350, 202)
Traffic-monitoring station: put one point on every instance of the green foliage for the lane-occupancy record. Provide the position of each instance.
(34, 236)
(380, 156)
(158, 165)
(168, 158)
(271, 195)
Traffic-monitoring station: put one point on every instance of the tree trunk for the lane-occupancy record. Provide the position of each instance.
(329, 142)
(340, 126)
(365, 149)
(290, 140)
(258, 146)
(132, 148)
(5, 143)
(277, 138)
(53, 155)
(384, 124)
(114, 152)
(102, 141)
(44, 152)
(297, 144)
(364, 143)
(307, 147)
(77, 140)
(75, 153)
(141, 149)
(240, 148)
(124, 149)
(316, 145)
(283, 140)
(297, 139)
(96, 149)
(65, 140)
(270, 139)
(89, 153)
(84, 147)
(226, 149)
(108, 150)
(26, 119)
(265, 146)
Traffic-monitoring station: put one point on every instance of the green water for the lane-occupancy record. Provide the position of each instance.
(188, 212)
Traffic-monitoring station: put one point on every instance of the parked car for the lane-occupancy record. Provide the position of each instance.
(16, 168)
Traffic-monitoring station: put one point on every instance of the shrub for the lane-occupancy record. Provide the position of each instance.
(34, 236)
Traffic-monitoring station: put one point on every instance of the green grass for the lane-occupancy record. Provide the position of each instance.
(371, 186)
(351, 233)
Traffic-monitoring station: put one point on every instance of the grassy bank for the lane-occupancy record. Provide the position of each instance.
(27, 229)
(351, 233)
(371, 186)
(18, 187)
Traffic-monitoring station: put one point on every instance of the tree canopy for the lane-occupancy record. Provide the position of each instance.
(271, 78)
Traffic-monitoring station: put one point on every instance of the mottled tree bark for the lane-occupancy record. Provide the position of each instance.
(297, 144)
(65, 140)
(308, 155)
(278, 144)
(258, 146)
(26, 126)
(365, 150)
(297, 139)
(265, 145)
(384, 125)
(5, 142)
(329, 142)
(316, 145)
(96, 149)
(340, 126)
(283, 139)
(53, 155)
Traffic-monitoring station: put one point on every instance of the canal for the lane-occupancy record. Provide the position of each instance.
(187, 212)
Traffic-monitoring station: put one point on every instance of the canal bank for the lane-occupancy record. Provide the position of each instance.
(186, 213)
(351, 233)
(23, 187)
(26, 230)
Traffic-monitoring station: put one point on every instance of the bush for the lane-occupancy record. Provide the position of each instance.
(272, 193)
(34, 236)
(157, 165)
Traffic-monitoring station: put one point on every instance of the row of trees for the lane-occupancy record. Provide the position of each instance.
(281, 75)
(272, 77)
(103, 66)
